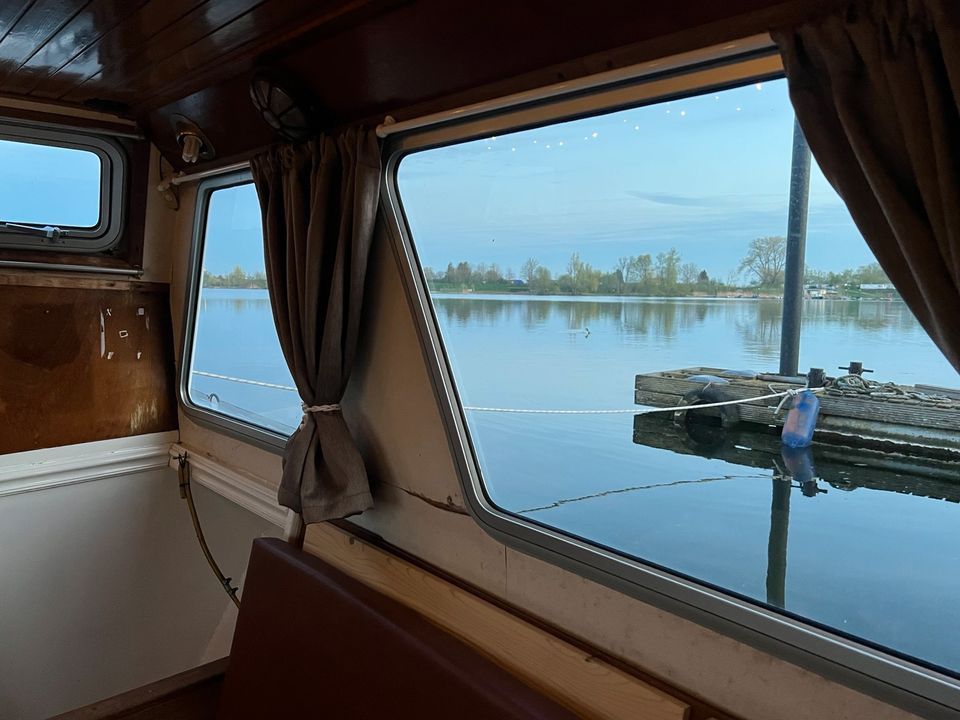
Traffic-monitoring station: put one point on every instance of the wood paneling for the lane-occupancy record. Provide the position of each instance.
(581, 682)
(83, 360)
(360, 59)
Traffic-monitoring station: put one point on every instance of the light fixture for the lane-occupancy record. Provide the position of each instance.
(194, 145)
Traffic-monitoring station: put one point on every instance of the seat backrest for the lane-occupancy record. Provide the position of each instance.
(312, 642)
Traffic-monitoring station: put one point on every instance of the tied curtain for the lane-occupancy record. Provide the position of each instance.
(876, 89)
(319, 203)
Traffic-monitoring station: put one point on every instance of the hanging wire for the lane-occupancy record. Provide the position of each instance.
(183, 471)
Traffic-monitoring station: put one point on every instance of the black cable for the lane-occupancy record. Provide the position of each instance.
(187, 494)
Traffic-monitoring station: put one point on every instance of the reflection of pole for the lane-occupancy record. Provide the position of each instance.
(796, 249)
(777, 544)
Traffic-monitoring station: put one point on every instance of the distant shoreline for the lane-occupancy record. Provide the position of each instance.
(727, 295)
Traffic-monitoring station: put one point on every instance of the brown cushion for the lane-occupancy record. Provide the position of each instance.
(312, 642)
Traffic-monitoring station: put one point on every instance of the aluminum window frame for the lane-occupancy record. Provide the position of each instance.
(114, 173)
(886, 676)
(261, 437)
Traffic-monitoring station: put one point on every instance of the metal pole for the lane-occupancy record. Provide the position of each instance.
(796, 249)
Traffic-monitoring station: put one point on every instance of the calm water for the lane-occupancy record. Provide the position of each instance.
(874, 563)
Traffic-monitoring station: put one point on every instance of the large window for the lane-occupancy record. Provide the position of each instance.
(59, 191)
(235, 373)
(577, 274)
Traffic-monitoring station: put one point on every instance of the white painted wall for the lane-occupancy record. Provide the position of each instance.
(103, 587)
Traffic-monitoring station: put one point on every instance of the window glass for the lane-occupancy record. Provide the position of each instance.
(49, 185)
(569, 264)
(237, 368)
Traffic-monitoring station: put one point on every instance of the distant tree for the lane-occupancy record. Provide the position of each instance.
(451, 274)
(765, 260)
(429, 274)
(703, 278)
(528, 271)
(871, 273)
(236, 277)
(639, 269)
(541, 281)
(668, 268)
(492, 275)
(620, 269)
(463, 272)
(689, 273)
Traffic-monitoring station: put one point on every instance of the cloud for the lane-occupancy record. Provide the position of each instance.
(681, 200)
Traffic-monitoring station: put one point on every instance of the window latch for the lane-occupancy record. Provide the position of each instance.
(50, 232)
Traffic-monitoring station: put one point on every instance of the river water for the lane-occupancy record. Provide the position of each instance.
(852, 554)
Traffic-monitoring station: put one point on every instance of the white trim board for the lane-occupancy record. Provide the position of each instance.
(47, 468)
(235, 485)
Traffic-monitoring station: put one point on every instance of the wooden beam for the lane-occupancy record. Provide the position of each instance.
(588, 686)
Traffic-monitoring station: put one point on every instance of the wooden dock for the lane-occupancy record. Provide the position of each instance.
(904, 420)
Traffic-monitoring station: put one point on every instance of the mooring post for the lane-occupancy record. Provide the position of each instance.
(796, 250)
(777, 542)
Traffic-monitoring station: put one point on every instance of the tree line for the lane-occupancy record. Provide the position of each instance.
(236, 278)
(760, 270)
(664, 273)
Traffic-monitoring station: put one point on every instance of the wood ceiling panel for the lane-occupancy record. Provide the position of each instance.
(10, 12)
(115, 46)
(113, 80)
(41, 21)
(81, 32)
(238, 45)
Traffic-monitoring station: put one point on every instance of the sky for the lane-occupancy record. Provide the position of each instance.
(704, 175)
(46, 185)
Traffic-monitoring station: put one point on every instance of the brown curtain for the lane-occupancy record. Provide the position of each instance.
(876, 88)
(319, 206)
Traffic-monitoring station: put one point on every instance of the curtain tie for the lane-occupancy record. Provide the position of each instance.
(332, 408)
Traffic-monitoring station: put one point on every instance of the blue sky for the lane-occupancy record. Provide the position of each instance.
(705, 175)
(41, 184)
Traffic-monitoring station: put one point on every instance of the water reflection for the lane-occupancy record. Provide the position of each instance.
(758, 320)
(812, 470)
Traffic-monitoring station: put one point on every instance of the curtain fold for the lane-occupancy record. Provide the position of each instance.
(876, 89)
(319, 206)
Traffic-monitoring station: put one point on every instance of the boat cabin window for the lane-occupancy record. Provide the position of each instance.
(583, 279)
(59, 190)
(235, 375)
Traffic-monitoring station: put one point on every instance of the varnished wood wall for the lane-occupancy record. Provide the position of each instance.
(83, 359)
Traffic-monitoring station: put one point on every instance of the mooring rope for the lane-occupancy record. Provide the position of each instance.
(790, 392)
(785, 394)
(243, 381)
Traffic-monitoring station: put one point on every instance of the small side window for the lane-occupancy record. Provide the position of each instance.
(235, 376)
(59, 191)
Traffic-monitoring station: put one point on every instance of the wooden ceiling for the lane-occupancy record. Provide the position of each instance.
(148, 59)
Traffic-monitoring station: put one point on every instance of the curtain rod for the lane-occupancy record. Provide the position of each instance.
(65, 267)
(752, 44)
(201, 174)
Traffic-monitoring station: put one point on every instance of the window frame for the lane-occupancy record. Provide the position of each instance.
(886, 676)
(254, 434)
(108, 232)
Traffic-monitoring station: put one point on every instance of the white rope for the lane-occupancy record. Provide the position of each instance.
(243, 380)
(646, 411)
(785, 394)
